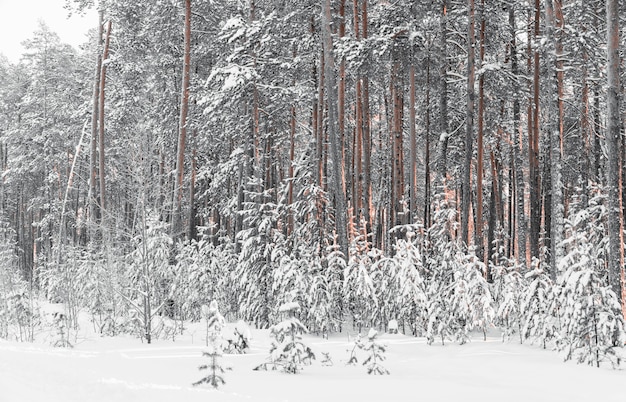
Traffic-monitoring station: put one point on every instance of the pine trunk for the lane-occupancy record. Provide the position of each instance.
(103, 74)
(182, 125)
(331, 94)
(93, 159)
(517, 141)
(469, 128)
(615, 219)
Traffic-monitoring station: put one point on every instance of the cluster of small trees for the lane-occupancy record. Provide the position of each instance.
(428, 285)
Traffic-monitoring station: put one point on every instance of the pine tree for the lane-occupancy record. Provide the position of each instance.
(539, 315)
(592, 326)
(288, 351)
(215, 376)
(214, 321)
(510, 286)
(376, 355)
(240, 340)
(471, 301)
(214, 325)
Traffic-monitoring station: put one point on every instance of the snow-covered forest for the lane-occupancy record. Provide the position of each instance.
(447, 169)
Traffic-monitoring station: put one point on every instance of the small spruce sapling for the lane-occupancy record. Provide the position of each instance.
(376, 354)
(239, 342)
(358, 344)
(288, 351)
(392, 327)
(326, 359)
(59, 321)
(215, 322)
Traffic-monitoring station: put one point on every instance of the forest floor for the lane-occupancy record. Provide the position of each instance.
(123, 369)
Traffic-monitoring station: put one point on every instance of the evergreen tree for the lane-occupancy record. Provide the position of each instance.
(214, 325)
(288, 351)
(509, 289)
(214, 321)
(539, 309)
(592, 326)
(376, 354)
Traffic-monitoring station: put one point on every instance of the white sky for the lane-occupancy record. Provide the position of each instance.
(19, 19)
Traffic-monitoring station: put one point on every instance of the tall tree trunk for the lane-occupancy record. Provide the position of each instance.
(615, 218)
(103, 74)
(290, 173)
(182, 125)
(331, 95)
(533, 148)
(368, 206)
(517, 141)
(469, 128)
(555, 63)
(426, 219)
(93, 158)
(397, 99)
(442, 145)
(341, 96)
(413, 147)
(192, 230)
(479, 241)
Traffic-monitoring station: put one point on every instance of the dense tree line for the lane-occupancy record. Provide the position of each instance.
(347, 152)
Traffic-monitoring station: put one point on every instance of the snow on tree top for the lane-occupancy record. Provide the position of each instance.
(291, 306)
(372, 334)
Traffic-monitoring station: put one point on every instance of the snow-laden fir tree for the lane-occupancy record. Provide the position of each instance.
(442, 259)
(262, 247)
(360, 291)
(239, 341)
(509, 288)
(409, 284)
(288, 350)
(62, 337)
(592, 326)
(325, 296)
(540, 322)
(215, 323)
(213, 319)
(471, 301)
(356, 345)
(375, 353)
(291, 281)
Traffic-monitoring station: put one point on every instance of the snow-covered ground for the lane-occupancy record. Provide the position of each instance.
(124, 369)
